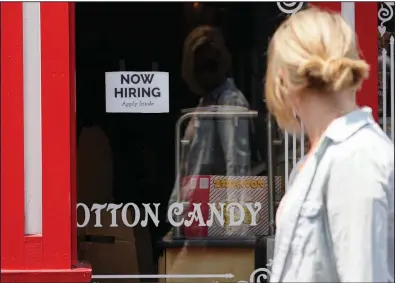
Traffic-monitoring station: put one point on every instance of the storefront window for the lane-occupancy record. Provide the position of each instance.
(212, 159)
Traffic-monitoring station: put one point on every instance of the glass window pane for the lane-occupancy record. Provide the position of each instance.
(216, 154)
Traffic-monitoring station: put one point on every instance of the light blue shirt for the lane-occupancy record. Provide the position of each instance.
(337, 222)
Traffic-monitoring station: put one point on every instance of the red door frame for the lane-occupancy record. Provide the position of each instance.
(46, 257)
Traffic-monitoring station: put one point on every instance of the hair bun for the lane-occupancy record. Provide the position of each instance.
(333, 75)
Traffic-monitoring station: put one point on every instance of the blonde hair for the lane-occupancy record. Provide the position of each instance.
(312, 51)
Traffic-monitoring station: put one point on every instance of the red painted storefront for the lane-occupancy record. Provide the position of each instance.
(49, 256)
(52, 255)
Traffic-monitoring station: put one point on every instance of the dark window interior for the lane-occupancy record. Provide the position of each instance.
(143, 33)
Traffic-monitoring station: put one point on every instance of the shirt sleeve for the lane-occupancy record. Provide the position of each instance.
(358, 209)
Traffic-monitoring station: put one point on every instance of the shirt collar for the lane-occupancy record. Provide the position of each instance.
(344, 127)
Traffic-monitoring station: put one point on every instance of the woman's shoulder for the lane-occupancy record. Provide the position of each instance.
(371, 140)
(231, 95)
(368, 150)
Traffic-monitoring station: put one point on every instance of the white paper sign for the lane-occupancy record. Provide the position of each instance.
(137, 92)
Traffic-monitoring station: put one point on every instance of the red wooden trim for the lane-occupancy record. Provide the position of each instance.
(56, 138)
(366, 28)
(78, 275)
(12, 137)
(72, 70)
(331, 6)
(33, 252)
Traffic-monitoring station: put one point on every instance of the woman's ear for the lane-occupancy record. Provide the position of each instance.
(283, 85)
(290, 97)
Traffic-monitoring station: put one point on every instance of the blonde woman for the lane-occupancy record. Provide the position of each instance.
(335, 223)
